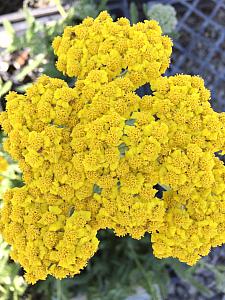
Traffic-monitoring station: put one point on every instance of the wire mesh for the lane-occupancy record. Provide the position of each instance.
(200, 47)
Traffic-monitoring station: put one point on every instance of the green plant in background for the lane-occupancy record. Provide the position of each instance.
(5, 87)
(84, 8)
(12, 285)
(131, 264)
(11, 175)
(42, 59)
(133, 13)
(164, 14)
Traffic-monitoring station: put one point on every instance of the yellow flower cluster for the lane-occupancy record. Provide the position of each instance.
(92, 155)
(3, 166)
(140, 50)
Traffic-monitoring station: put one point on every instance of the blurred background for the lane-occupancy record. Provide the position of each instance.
(122, 269)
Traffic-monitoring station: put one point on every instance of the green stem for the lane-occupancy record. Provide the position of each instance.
(142, 270)
(60, 8)
(59, 295)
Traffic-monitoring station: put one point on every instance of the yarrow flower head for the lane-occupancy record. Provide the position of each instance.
(140, 50)
(3, 167)
(92, 155)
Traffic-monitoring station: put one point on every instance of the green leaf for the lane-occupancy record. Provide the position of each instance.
(187, 273)
(123, 148)
(199, 286)
(130, 122)
(102, 5)
(97, 189)
(60, 8)
(133, 13)
(28, 16)
(22, 88)
(220, 280)
(8, 28)
(219, 273)
(5, 88)
(145, 8)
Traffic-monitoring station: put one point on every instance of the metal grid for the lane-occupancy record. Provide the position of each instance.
(200, 47)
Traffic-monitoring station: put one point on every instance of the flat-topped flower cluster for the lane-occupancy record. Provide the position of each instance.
(92, 154)
(3, 167)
